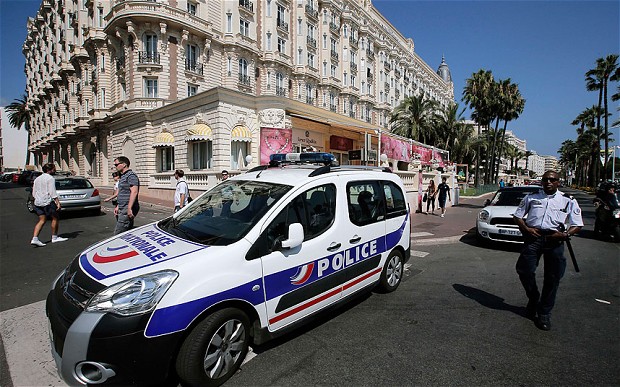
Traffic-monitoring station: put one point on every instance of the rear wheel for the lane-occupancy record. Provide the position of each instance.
(616, 233)
(393, 271)
(215, 349)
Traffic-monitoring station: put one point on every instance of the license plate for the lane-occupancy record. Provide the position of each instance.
(509, 232)
(71, 196)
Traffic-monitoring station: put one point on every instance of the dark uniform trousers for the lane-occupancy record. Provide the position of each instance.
(554, 266)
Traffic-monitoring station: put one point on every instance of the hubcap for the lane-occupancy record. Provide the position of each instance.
(224, 349)
(394, 271)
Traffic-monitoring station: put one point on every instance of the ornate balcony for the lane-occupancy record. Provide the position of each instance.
(333, 107)
(370, 54)
(280, 91)
(246, 5)
(354, 67)
(145, 57)
(282, 25)
(334, 55)
(244, 80)
(352, 42)
(311, 12)
(194, 67)
(311, 41)
(309, 100)
(333, 27)
(387, 65)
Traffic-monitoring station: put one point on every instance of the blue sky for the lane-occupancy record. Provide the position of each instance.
(544, 46)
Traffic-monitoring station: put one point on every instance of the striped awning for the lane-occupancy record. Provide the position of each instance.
(163, 139)
(199, 132)
(241, 133)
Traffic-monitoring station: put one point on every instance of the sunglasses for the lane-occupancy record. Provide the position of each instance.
(549, 179)
(117, 164)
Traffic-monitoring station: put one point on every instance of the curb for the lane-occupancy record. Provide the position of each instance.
(436, 241)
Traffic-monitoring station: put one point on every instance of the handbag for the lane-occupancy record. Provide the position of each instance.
(424, 198)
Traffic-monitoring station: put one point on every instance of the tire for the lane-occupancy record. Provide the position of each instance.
(615, 232)
(392, 273)
(215, 349)
(30, 205)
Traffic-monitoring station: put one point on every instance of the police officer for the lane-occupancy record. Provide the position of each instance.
(544, 232)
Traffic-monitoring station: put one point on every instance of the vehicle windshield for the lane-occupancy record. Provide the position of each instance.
(62, 184)
(510, 197)
(226, 213)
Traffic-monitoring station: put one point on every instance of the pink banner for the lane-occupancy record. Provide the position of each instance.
(395, 149)
(274, 141)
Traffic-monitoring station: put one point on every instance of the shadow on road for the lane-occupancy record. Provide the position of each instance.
(488, 300)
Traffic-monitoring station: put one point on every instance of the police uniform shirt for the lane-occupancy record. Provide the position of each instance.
(548, 212)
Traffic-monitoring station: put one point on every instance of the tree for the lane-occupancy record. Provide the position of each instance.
(414, 117)
(454, 134)
(597, 79)
(477, 94)
(20, 116)
(513, 105)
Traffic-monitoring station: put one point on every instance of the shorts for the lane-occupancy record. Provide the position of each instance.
(49, 210)
(442, 202)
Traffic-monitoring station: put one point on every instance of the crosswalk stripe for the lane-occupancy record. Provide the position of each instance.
(421, 234)
(420, 254)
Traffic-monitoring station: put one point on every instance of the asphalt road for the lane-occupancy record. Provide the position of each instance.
(457, 318)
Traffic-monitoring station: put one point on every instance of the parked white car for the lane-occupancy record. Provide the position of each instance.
(257, 254)
(495, 221)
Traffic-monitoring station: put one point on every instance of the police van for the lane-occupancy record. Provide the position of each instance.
(180, 300)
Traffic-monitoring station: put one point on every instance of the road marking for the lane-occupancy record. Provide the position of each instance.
(420, 254)
(421, 234)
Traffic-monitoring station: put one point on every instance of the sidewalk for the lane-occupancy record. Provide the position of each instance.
(426, 230)
(459, 220)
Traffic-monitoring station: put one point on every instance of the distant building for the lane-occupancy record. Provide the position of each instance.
(552, 163)
(202, 85)
(536, 163)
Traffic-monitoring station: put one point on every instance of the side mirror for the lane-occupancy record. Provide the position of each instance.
(295, 236)
(487, 202)
(28, 189)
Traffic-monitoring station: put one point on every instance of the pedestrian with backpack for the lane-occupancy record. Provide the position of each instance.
(181, 195)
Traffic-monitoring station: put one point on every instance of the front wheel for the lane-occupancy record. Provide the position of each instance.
(215, 349)
(30, 205)
(393, 271)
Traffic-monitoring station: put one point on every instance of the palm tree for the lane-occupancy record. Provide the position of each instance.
(476, 94)
(513, 105)
(414, 118)
(19, 116)
(454, 134)
(597, 79)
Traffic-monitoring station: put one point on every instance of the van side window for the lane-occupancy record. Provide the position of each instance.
(395, 202)
(365, 202)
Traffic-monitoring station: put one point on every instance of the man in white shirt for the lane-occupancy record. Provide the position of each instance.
(181, 194)
(551, 219)
(46, 204)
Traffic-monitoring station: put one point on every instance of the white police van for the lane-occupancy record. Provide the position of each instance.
(183, 298)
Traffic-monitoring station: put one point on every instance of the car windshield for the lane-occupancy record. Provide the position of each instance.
(226, 213)
(510, 197)
(62, 184)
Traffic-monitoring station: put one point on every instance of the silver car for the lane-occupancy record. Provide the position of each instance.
(75, 193)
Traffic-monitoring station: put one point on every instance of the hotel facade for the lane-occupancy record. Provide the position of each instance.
(200, 85)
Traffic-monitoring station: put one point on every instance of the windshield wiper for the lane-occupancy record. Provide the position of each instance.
(187, 234)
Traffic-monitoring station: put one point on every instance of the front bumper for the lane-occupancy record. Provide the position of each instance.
(106, 349)
(499, 232)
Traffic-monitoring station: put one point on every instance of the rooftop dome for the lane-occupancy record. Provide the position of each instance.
(444, 71)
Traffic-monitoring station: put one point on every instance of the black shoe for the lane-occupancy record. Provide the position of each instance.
(530, 309)
(543, 322)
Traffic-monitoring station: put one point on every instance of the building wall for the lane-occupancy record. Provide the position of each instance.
(88, 64)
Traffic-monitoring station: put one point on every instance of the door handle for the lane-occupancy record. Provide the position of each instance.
(355, 239)
(334, 246)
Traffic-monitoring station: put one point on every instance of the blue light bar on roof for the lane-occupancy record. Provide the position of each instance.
(309, 158)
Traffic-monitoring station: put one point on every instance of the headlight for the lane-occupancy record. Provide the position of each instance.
(134, 296)
(483, 215)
